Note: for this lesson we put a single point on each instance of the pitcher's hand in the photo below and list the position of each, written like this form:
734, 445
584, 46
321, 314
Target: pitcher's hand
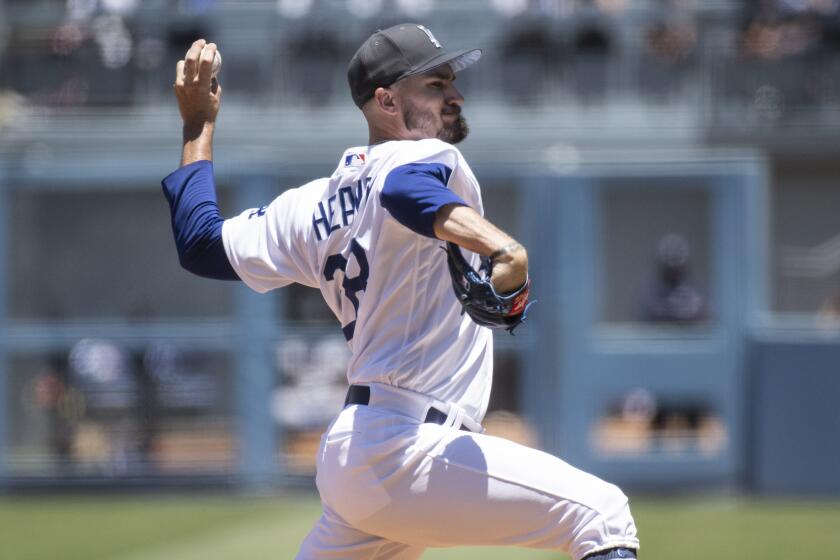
199, 93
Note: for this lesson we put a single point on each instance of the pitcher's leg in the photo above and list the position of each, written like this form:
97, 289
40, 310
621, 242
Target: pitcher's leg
481, 490
331, 539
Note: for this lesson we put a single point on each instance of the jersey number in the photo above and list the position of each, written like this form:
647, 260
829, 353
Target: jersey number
351, 286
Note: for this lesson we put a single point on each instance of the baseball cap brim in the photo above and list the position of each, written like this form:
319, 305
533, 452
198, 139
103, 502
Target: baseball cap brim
457, 60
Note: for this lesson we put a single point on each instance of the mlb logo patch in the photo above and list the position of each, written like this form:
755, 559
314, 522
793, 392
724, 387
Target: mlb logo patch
351, 159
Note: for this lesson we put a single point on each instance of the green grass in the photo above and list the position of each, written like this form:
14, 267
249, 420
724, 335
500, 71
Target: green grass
190, 528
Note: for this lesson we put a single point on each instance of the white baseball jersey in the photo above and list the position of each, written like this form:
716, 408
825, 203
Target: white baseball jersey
389, 286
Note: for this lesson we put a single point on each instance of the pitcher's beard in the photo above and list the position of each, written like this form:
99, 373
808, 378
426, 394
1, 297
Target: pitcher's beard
455, 132
451, 133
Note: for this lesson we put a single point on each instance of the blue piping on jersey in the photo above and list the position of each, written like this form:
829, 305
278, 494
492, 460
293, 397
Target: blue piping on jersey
197, 222
413, 193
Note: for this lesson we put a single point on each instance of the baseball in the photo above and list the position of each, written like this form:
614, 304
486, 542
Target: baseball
217, 65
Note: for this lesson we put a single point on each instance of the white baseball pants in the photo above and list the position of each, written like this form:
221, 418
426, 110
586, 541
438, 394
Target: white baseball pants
392, 486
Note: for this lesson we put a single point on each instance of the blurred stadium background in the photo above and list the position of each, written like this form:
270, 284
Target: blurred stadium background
672, 166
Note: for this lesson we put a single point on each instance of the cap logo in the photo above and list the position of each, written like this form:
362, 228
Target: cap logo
430, 36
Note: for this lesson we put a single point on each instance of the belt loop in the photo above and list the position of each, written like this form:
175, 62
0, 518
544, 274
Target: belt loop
455, 417
357, 394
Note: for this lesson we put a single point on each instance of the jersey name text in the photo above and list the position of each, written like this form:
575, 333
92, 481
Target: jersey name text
350, 198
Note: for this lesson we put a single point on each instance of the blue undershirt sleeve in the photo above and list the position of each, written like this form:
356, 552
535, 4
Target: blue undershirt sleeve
413, 193
197, 222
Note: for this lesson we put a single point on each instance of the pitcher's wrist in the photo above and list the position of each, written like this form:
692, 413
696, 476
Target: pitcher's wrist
197, 128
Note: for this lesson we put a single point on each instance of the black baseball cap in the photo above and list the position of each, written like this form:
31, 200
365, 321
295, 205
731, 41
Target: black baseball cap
399, 51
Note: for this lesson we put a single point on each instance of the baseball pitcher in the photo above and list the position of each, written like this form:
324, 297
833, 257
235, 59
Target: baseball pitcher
396, 241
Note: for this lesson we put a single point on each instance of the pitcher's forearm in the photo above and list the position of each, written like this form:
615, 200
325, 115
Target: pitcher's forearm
198, 143
468, 229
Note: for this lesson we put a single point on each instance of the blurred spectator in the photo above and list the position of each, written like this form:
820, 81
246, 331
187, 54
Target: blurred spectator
639, 406
146, 407
325, 65
592, 39
593, 47
672, 41
84, 60
532, 55
669, 53
780, 44
100, 370
773, 39
114, 41
672, 298
775, 29
54, 395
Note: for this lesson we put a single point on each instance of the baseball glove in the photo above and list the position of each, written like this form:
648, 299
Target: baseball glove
479, 299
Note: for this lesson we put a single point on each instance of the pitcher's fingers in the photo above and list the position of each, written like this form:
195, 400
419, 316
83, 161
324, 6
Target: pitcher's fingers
179, 73
191, 60
205, 65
